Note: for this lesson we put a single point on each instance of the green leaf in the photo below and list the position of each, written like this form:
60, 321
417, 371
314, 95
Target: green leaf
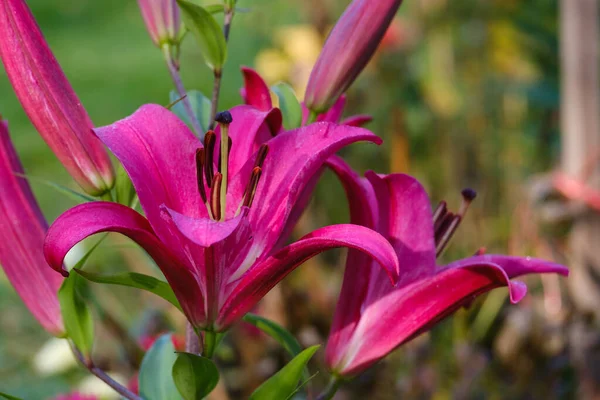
200, 106
194, 376
9, 397
76, 314
73, 194
207, 32
215, 8
284, 383
123, 187
304, 383
276, 331
135, 280
289, 105
155, 379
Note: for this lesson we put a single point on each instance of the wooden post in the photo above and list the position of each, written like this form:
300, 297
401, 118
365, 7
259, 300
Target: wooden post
580, 128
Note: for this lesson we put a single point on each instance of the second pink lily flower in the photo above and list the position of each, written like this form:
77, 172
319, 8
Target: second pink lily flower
221, 254
373, 317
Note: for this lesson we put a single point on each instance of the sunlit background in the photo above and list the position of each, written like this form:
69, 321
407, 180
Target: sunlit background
464, 93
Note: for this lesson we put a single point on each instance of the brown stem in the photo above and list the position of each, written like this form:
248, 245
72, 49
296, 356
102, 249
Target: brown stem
218, 72
103, 376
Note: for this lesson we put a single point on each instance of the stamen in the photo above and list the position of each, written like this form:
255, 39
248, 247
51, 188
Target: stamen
439, 214
450, 222
224, 118
215, 197
468, 196
250, 191
262, 155
210, 139
200, 173
447, 235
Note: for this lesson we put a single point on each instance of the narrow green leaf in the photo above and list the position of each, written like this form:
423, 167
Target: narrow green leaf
215, 8
123, 187
155, 379
200, 106
76, 314
289, 105
276, 331
135, 280
9, 397
87, 255
304, 383
75, 195
284, 383
207, 32
194, 376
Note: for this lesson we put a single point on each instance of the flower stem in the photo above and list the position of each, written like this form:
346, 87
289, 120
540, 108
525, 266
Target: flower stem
210, 341
193, 343
218, 72
103, 376
215, 97
331, 389
187, 105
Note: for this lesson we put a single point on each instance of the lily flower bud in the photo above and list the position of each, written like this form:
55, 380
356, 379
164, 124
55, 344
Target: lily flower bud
162, 21
22, 232
348, 49
49, 100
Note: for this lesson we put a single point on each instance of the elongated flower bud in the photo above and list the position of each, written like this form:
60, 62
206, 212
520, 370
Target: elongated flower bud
22, 232
349, 47
162, 20
49, 100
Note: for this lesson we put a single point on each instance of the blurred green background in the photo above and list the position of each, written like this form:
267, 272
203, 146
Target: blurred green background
465, 94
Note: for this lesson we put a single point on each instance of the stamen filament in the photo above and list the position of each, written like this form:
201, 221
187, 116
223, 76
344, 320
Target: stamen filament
447, 235
215, 197
439, 213
210, 140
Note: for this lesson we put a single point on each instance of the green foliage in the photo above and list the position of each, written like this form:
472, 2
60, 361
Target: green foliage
73, 194
77, 317
207, 32
194, 376
284, 383
135, 280
9, 397
289, 105
200, 106
155, 379
123, 187
276, 331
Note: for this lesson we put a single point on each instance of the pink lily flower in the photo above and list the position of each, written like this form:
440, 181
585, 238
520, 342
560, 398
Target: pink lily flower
49, 100
256, 93
348, 49
22, 232
373, 318
215, 215
162, 20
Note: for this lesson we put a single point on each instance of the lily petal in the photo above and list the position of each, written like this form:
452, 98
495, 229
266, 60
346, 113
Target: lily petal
158, 152
357, 120
90, 218
294, 158
406, 220
402, 314
513, 266
255, 91
265, 275
22, 231
204, 231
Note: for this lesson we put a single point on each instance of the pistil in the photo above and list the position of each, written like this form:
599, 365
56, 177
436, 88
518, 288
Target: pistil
224, 119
